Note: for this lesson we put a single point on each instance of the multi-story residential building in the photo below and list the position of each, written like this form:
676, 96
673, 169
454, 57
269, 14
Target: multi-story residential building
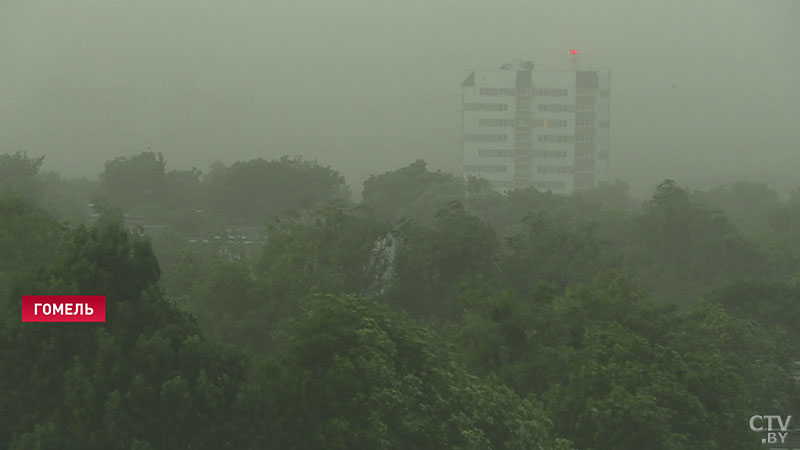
525, 126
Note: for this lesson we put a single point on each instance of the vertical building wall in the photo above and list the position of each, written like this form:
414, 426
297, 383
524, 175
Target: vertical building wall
553, 151
587, 88
603, 164
487, 126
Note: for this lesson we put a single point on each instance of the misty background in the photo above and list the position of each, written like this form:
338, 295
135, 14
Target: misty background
704, 93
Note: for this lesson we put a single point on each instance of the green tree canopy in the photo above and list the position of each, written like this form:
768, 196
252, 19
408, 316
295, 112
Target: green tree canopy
29, 237
770, 303
357, 376
553, 250
18, 174
143, 379
133, 182
747, 204
412, 192
616, 371
784, 224
679, 248
434, 264
255, 191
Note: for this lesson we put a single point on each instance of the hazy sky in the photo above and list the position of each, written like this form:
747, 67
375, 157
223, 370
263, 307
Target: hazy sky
371, 85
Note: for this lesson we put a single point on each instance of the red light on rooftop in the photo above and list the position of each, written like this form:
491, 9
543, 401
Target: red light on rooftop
573, 52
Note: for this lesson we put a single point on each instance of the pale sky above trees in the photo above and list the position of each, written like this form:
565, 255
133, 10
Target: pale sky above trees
702, 92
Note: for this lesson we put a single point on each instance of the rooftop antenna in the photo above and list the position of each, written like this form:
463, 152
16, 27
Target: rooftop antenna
576, 60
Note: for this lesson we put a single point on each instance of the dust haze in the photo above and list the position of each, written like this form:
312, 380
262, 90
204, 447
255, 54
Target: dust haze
702, 92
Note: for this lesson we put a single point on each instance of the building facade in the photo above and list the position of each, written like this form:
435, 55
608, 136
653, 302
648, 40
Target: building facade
524, 126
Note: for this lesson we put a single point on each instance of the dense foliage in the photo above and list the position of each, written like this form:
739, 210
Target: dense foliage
258, 307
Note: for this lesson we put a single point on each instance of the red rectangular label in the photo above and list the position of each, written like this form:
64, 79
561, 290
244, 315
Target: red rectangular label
63, 308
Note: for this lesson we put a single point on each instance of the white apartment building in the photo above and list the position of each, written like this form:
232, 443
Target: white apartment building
524, 126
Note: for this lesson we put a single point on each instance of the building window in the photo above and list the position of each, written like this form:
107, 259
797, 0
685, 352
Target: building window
522, 137
485, 107
495, 107
556, 139
496, 122
550, 92
485, 168
556, 108
555, 169
497, 91
493, 153
549, 184
549, 153
550, 123
485, 138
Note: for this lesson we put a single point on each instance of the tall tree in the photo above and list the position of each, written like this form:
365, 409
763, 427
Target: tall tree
412, 192
749, 205
553, 250
18, 174
143, 379
333, 249
681, 248
435, 264
784, 224
357, 376
617, 371
29, 237
255, 191
771, 303
133, 182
